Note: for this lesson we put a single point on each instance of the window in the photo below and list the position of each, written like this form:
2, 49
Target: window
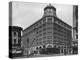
40, 34
44, 29
14, 41
44, 25
76, 36
50, 10
40, 22
54, 37
40, 43
49, 41
49, 33
61, 50
49, 37
39, 39
44, 38
44, 20
44, 33
55, 46
15, 34
40, 31
39, 27
55, 28
49, 19
44, 42
59, 22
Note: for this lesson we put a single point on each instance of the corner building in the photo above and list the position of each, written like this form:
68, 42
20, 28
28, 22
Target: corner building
48, 32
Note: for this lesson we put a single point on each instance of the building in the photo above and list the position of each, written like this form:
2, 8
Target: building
14, 41
75, 22
49, 33
75, 29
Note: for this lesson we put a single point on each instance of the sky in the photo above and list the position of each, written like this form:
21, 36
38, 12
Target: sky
25, 14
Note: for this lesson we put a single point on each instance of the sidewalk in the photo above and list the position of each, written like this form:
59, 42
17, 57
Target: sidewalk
42, 55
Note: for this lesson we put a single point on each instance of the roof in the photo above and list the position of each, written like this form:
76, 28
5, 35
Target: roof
15, 28
50, 7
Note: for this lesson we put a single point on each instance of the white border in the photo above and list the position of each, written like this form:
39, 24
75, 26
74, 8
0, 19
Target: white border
4, 29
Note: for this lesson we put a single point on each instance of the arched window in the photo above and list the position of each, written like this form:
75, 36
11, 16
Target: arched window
55, 46
44, 46
36, 48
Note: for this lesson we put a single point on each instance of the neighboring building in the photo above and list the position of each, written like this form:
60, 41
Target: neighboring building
48, 32
14, 41
75, 29
75, 22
